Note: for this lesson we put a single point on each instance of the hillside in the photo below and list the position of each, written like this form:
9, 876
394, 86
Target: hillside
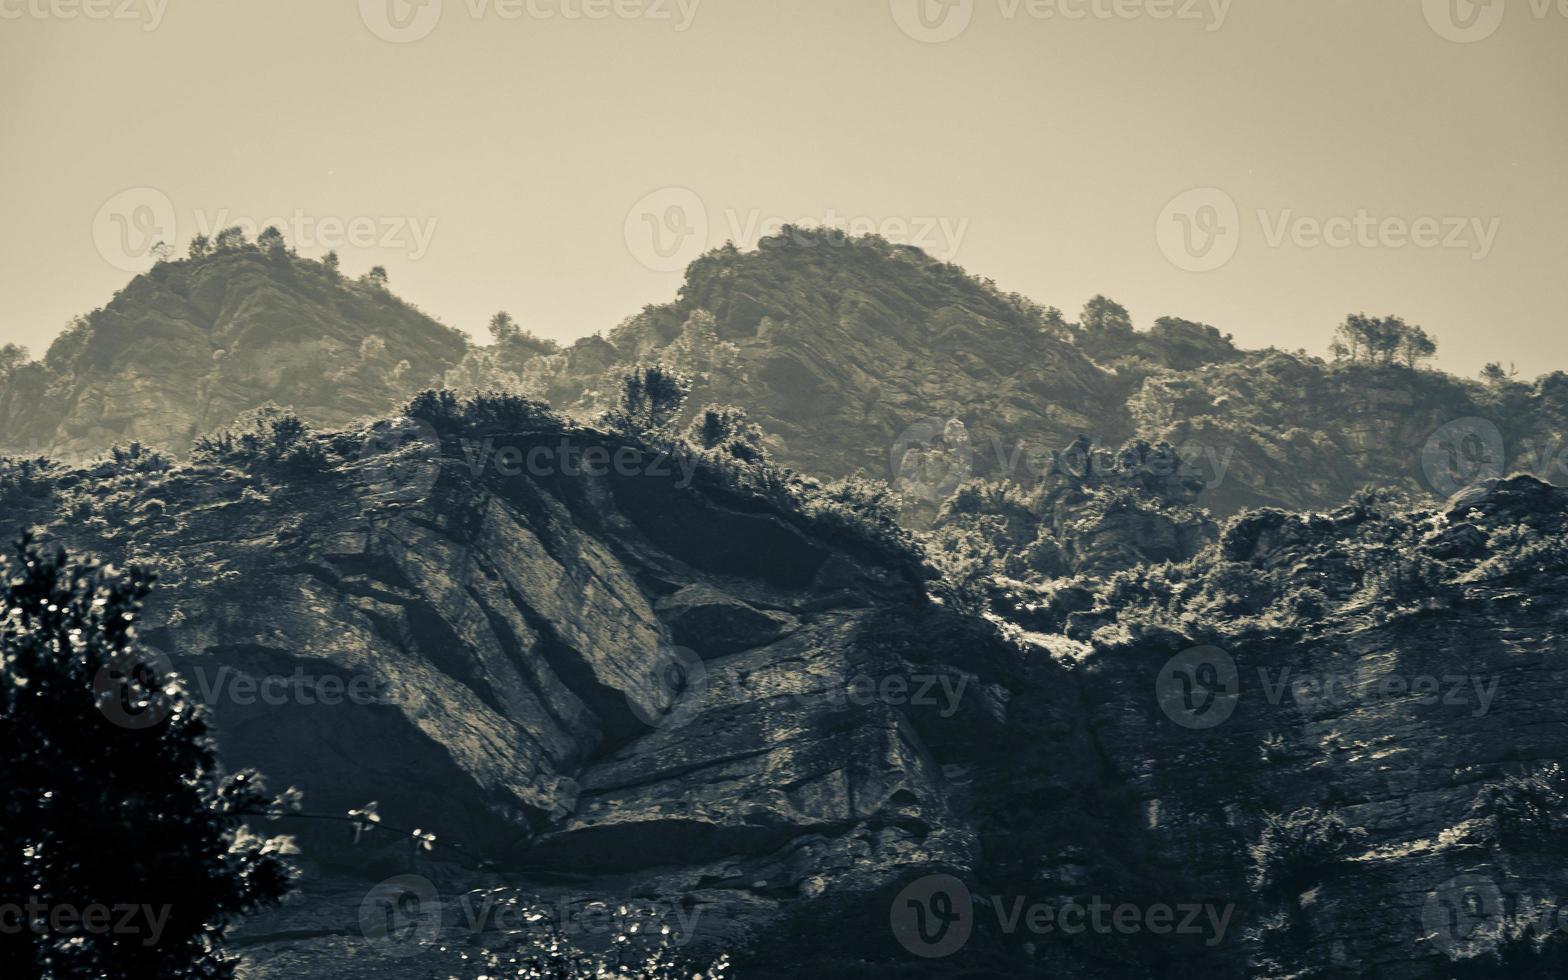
852, 352
194, 344
685, 680
855, 356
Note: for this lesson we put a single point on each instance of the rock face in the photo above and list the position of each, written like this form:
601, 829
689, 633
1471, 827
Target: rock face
614, 678
630, 684
195, 344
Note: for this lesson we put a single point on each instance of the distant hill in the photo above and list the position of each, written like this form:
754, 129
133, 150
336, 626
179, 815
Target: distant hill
857, 356
193, 344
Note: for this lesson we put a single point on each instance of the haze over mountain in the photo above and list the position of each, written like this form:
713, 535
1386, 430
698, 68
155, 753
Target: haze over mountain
850, 353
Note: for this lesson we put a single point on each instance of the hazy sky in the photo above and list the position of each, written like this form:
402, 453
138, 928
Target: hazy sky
1407, 156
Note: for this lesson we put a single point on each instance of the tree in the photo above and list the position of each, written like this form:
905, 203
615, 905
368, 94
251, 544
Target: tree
200, 247
161, 251
1102, 315
12, 356
230, 239
270, 238
1416, 346
330, 260
649, 399
1381, 340
110, 793
377, 277
1494, 375
505, 329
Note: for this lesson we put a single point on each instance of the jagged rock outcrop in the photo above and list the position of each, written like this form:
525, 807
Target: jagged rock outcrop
629, 681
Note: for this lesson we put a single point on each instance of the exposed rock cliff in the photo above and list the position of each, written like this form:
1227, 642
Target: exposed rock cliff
602, 676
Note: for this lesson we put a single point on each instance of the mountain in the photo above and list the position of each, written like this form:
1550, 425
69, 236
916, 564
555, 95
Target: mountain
856, 356
853, 352
194, 344
605, 670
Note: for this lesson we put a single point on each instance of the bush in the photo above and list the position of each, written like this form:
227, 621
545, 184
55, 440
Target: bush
1527, 813
274, 435
110, 793
649, 399
1296, 852
23, 478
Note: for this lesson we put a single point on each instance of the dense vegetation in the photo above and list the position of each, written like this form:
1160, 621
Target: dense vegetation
126, 852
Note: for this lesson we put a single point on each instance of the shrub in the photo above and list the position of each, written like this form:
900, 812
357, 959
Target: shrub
1293, 853
1527, 812
725, 428
110, 793
650, 397
275, 435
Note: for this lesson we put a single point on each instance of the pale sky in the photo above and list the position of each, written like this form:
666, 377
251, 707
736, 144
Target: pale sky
502, 154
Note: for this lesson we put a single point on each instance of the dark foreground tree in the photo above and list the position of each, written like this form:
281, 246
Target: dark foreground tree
123, 852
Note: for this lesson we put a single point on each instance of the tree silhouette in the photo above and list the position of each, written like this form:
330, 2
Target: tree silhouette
124, 852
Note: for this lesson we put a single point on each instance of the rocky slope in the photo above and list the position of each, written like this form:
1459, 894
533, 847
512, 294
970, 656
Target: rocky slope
857, 356
600, 677
194, 344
